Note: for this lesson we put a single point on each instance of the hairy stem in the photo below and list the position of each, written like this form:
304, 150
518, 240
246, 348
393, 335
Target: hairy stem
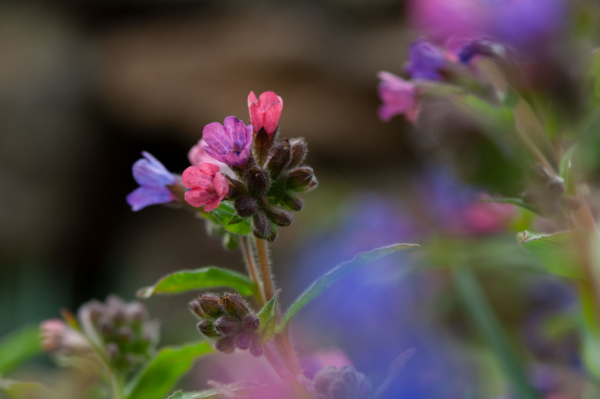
252, 270
282, 340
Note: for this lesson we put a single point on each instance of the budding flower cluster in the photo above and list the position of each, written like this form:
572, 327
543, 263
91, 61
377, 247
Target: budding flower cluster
344, 383
230, 321
129, 337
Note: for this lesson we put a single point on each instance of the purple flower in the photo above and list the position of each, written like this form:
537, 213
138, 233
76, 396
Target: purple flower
425, 60
153, 178
229, 143
398, 96
478, 47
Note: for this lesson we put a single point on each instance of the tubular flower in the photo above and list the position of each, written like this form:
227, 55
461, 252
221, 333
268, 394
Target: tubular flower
153, 178
425, 60
207, 186
229, 143
265, 111
398, 96
56, 335
198, 154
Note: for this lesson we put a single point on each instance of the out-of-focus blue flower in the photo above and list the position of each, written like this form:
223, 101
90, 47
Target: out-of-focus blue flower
153, 178
425, 60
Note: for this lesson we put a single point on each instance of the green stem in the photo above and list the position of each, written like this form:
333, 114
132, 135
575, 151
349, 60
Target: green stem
252, 270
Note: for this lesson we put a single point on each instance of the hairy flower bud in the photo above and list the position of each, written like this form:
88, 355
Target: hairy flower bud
299, 150
279, 157
262, 144
236, 188
273, 236
251, 323
234, 305
556, 185
226, 325
292, 202
206, 328
246, 206
260, 225
279, 216
255, 346
242, 341
299, 178
196, 308
258, 181
314, 183
210, 305
225, 345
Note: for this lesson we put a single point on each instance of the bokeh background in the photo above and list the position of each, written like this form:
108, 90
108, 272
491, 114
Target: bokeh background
85, 86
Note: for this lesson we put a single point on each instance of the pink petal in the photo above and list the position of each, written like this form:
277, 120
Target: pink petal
199, 197
210, 206
221, 185
209, 168
194, 177
256, 116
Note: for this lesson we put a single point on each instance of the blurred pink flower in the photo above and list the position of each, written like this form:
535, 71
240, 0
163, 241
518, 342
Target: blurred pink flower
441, 19
265, 111
321, 359
207, 186
198, 154
399, 97
56, 335
487, 217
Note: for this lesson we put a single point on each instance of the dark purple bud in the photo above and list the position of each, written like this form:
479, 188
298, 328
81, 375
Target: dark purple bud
105, 326
242, 341
96, 310
258, 182
234, 305
273, 236
236, 188
206, 328
279, 216
292, 202
227, 325
260, 225
299, 150
196, 309
136, 313
556, 185
255, 346
279, 157
314, 183
112, 351
251, 323
124, 334
246, 206
299, 178
262, 144
210, 305
225, 345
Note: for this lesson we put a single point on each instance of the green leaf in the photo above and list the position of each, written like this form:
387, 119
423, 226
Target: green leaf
225, 214
489, 326
25, 390
206, 277
268, 320
514, 201
500, 117
18, 347
159, 376
326, 281
566, 171
208, 394
555, 251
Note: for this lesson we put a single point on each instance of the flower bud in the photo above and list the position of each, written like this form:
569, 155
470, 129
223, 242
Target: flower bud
206, 328
236, 188
299, 178
292, 202
242, 341
280, 156
226, 325
136, 313
255, 346
251, 323
279, 216
260, 225
273, 236
262, 144
299, 150
234, 305
556, 185
225, 345
105, 326
210, 305
196, 309
246, 206
124, 334
314, 183
258, 182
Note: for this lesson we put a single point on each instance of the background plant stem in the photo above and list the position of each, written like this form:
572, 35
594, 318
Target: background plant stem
252, 270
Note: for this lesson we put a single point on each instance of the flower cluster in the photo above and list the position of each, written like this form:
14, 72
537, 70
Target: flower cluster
230, 321
124, 329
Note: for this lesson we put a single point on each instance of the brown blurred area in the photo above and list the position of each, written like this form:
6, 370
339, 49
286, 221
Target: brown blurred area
85, 86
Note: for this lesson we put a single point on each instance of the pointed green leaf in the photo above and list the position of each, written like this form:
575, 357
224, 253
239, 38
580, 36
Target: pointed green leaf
25, 390
157, 379
237, 219
268, 320
327, 280
18, 347
555, 251
206, 277
514, 201
225, 214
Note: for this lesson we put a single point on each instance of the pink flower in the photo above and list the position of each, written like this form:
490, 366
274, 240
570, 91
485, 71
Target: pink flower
265, 111
57, 335
230, 142
399, 97
487, 217
207, 186
198, 154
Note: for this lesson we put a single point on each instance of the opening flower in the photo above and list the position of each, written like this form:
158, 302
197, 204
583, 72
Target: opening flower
153, 178
230, 142
198, 154
265, 111
425, 60
398, 96
56, 335
207, 186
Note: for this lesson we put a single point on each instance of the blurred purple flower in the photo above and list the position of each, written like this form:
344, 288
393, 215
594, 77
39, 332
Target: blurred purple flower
153, 178
399, 97
229, 143
425, 60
